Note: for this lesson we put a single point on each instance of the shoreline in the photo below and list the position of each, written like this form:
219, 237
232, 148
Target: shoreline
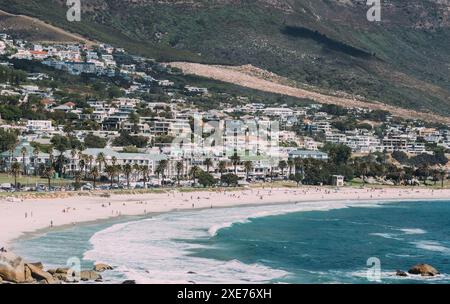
32, 217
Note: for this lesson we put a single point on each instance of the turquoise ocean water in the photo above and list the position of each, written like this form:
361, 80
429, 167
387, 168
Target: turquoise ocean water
303, 243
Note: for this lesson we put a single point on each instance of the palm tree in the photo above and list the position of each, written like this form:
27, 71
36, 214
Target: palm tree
119, 170
73, 154
48, 173
24, 151
145, 172
78, 175
111, 171
222, 167
36, 152
91, 160
162, 166
113, 160
290, 164
15, 170
298, 164
366, 171
95, 173
137, 170
127, 170
86, 161
50, 155
195, 170
208, 163
282, 165
235, 159
12, 148
179, 167
248, 165
61, 149
442, 175
100, 160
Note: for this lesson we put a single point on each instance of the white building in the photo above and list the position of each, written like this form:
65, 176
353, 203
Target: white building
40, 125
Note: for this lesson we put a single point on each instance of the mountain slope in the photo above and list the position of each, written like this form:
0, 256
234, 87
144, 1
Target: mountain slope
254, 78
329, 44
34, 29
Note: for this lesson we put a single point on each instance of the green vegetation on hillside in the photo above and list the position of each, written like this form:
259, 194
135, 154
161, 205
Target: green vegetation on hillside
394, 62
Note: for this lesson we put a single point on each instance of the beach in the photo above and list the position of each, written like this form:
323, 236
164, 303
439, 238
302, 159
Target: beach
21, 216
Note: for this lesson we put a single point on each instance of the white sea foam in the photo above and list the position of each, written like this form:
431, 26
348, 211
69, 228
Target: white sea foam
158, 250
392, 275
387, 236
413, 231
432, 246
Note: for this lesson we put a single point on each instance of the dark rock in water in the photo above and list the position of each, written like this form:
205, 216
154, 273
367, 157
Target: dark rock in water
61, 270
60, 277
401, 273
424, 270
102, 267
191, 272
89, 275
129, 282
99, 280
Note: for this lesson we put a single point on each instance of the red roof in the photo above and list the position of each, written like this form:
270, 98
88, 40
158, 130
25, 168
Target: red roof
70, 104
47, 101
39, 52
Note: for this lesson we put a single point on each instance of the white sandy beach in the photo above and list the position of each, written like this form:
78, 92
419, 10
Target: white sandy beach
18, 217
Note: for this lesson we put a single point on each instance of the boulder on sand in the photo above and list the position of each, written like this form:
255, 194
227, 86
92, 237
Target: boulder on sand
102, 267
424, 270
40, 275
12, 268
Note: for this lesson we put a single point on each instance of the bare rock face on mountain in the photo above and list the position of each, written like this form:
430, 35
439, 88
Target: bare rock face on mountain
12, 268
424, 270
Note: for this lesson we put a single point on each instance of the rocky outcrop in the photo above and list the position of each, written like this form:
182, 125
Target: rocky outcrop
102, 267
401, 273
129, 282
12, 268
40, 275
89, 275
424, 270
